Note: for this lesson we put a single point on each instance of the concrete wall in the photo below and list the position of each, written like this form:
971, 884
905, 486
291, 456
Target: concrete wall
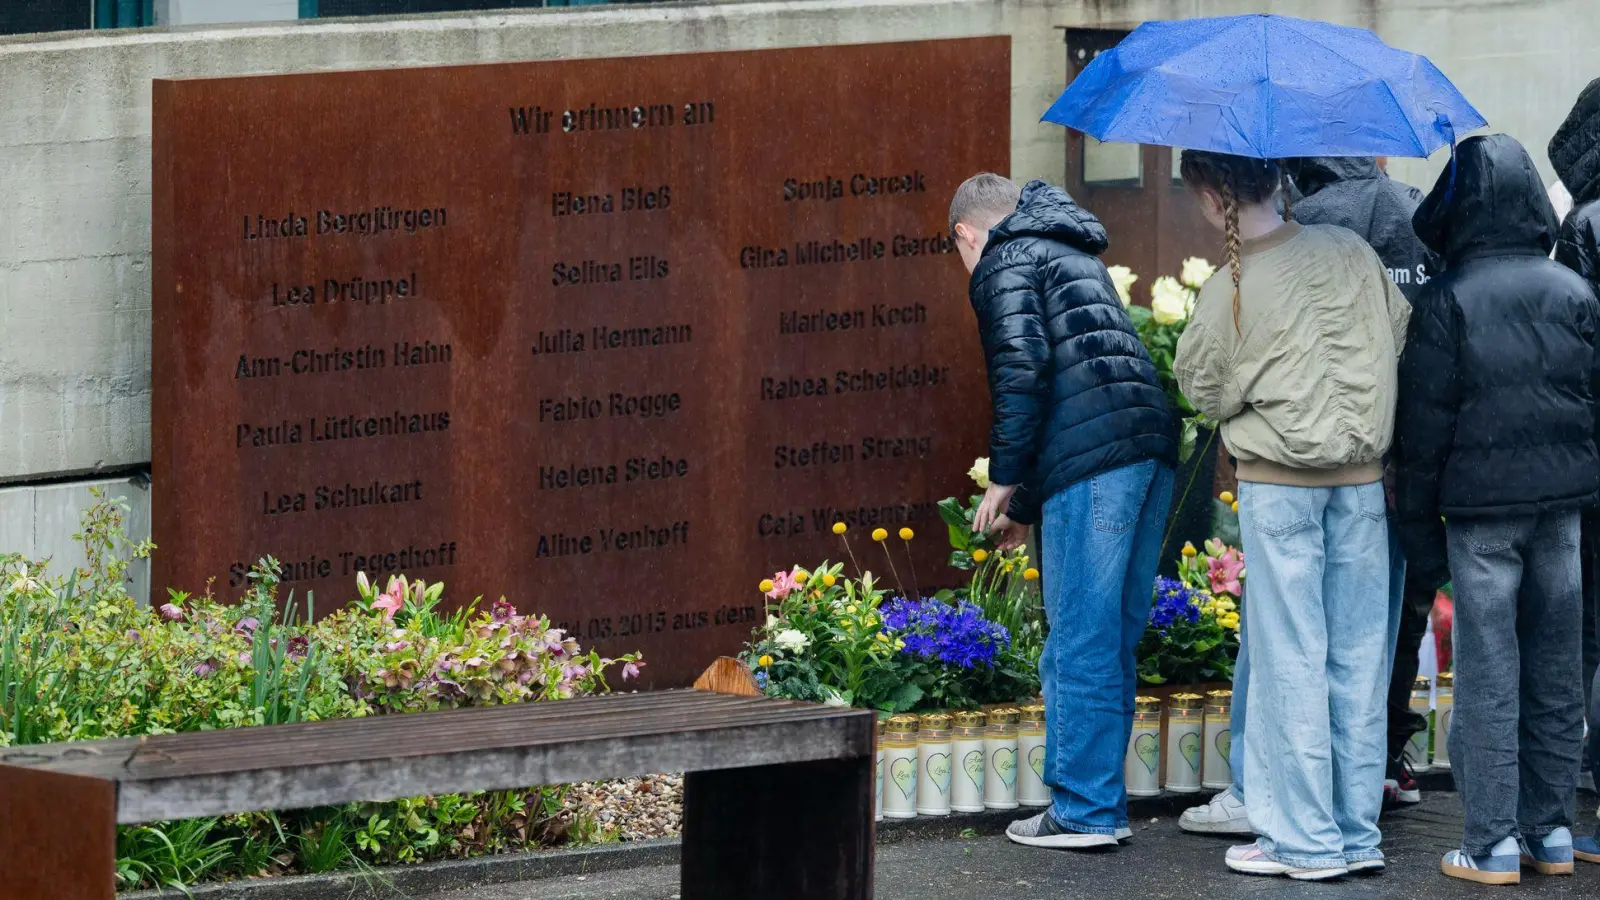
38, 521
75, 142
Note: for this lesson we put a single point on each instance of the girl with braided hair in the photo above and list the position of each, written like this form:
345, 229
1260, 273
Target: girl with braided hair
1292, 350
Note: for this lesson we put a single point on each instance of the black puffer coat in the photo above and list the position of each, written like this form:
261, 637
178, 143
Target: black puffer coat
1352, 192
1575, 153
1075, 393
1495, 416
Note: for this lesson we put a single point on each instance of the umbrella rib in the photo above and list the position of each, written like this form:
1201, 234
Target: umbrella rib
1266, 68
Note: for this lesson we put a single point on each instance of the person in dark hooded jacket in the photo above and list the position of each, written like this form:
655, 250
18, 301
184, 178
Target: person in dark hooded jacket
1496, 435
1085, 443
1355, 193
1575, 154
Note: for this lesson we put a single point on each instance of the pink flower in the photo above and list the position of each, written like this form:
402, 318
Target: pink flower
172, 612
503, 610
783, 584
389, 603
631, 670
1226, 571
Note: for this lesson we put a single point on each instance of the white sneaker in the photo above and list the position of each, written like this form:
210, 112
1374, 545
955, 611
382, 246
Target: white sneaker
1249, 859
1223, 815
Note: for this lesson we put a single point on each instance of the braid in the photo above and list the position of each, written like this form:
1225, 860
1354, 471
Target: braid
1285, 185
1230, 232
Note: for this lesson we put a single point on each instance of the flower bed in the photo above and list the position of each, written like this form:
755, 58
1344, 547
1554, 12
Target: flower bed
80, 660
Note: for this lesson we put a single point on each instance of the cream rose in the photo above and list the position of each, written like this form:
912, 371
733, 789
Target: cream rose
979, 473
1195, 272
1123, 278
1169, 302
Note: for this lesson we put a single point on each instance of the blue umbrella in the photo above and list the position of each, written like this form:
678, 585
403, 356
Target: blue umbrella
1271, 87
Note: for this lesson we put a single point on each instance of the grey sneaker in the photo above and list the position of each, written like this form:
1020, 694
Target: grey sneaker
1043, 831
1223, 815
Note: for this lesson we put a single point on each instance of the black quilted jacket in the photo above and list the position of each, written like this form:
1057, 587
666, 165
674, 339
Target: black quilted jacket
1495, 415
1075, 394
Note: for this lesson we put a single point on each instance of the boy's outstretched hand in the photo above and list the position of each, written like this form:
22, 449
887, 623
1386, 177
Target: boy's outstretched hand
996, 501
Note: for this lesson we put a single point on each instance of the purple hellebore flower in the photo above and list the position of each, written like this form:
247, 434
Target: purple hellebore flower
631, 670
298, 647
172, 612
205, 668
247, 626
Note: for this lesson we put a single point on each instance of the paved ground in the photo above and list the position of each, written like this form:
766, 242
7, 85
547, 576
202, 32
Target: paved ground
1160, 863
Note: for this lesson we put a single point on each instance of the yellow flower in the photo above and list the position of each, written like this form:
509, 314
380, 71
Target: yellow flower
829, 581
1226, 605
1226, 497
764, 661
852, 609
765, 586
979, 555
1230, 621
907, 534
1030, 575
1236, 506
800, 577
883, 637
878, 534
839, 528
1189, 550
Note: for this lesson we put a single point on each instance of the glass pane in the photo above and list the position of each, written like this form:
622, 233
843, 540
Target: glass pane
1111, 165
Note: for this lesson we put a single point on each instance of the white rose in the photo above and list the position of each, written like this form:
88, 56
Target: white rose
1195, 272
1123, 278
979, 472
791, 640
1169, 302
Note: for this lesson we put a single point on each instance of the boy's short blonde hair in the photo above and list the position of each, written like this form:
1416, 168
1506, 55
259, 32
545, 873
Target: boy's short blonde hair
982, 197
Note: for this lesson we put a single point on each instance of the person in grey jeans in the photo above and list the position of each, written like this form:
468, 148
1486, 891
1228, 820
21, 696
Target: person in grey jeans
1496, 434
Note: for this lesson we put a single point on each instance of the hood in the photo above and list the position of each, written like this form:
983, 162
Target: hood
1313, 173
1498, 204
1047, 211
1575, 149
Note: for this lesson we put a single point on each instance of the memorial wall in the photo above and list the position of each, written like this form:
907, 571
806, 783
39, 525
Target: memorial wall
612, 338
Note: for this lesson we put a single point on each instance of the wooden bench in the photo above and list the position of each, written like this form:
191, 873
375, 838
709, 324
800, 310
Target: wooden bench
777, 795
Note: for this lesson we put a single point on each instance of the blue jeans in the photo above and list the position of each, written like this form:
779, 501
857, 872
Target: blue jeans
1101, 543
1518, 725
1319, 643
1239, 714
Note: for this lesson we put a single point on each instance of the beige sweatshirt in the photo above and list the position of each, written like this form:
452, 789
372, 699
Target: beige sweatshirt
1305, 390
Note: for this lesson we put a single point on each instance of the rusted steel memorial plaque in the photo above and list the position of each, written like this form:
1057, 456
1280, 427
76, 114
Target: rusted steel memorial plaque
612, 338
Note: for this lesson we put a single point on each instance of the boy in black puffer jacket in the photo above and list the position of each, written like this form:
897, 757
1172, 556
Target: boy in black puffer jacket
1496, 434
1084, 443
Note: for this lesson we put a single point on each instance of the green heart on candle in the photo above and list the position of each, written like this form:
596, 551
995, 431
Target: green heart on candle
1148, 750
1225, 743
1189, 749
939, 771
1005, 765
903, 772
972, 764
1036, 761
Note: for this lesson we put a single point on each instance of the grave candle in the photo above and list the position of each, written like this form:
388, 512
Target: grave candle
1445, 707
969, 762
900, 768
1185, 734
1000, 745
1031, 789
1416, 751
1217, 773
933, 765
1142, 764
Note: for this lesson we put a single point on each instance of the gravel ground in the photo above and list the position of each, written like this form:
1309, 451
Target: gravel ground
638, 809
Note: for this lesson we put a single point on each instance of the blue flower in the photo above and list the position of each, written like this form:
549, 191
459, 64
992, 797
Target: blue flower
761, 680
1173, 601
954, 635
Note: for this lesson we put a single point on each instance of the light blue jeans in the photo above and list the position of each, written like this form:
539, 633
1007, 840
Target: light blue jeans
1238, 714
1318, 623
1101, 543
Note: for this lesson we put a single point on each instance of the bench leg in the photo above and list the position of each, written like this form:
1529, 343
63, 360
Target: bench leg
58, 836
801, 831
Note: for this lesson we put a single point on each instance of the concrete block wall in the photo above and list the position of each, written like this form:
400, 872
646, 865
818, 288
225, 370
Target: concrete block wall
38, 521
75, 145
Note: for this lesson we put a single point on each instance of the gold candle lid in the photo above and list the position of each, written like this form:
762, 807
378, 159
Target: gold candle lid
1032, 713
1147, 704
1220, 697
903, 723
935, 722
1421, 684
1006, 716
969, 719
1447, 679
1187, 701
